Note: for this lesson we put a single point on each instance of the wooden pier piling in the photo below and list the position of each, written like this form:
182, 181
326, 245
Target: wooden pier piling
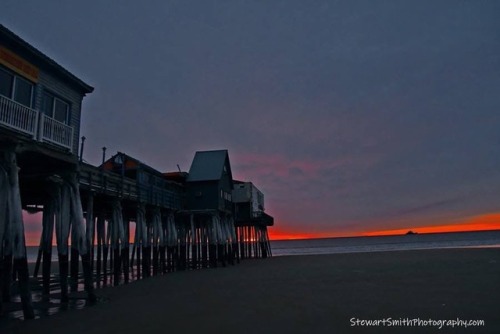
100, 246
12, 239
157, 238
48, 216
125, 250
117, 239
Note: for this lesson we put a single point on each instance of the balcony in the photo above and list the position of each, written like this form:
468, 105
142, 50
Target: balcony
55, 132
15, 116
263, 218
245, 217
36, 125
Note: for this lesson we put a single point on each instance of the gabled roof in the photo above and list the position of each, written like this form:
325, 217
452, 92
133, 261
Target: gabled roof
209, 166
130, 163
9, 36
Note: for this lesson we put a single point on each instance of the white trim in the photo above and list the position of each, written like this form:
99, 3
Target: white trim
15, 77
17, 116
54, 98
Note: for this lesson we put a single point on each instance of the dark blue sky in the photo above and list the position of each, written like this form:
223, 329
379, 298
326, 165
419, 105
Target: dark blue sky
351, 116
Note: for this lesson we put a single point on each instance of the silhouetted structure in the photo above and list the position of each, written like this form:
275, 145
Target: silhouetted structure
210, 209
251, 221
181, 219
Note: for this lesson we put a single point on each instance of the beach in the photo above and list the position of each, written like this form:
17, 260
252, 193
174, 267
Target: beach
333, 293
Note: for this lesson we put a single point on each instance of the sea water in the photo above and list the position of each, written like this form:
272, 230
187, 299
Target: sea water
365, 244
386, 243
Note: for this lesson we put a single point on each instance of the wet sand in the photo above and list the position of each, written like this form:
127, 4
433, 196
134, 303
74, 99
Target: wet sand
297, 294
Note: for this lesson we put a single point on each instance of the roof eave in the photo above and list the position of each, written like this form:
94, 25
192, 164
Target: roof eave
84, 87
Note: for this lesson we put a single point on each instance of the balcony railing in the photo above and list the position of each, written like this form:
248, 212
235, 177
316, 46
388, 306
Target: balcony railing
56, 132
16, 116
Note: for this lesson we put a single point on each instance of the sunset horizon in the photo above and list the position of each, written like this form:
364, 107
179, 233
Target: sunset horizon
484, 222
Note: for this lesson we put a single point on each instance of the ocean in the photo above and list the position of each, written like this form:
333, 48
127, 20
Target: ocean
385, 243
366, 244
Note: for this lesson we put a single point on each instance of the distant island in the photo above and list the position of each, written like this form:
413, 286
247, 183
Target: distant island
410, 232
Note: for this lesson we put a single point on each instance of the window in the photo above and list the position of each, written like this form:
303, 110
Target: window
55, 108
22, 92
16, 88
6, 80
225, 195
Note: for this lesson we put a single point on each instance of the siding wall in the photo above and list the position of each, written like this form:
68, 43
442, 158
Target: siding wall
58, 88
209, 198
53, 83
226, 184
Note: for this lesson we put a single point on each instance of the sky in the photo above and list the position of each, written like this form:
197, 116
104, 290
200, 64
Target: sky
353, 117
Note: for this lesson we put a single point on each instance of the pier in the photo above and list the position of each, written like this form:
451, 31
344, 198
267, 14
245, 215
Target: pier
119, 217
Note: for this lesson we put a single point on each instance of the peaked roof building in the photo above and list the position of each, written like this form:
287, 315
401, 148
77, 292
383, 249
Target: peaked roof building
210, 182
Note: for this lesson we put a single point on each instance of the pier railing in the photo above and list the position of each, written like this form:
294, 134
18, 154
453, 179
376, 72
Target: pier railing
112, 184
95, 179
17, 116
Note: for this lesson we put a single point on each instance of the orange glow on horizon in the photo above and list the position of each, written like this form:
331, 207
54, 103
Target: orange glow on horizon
483, 222
279, 234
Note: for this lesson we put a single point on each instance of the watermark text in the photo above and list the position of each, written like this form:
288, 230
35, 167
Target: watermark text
416, 322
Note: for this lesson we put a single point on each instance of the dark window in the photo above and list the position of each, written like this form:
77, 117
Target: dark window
22, 92
48, 104
6, 80
55, 108
16, 88
61, 111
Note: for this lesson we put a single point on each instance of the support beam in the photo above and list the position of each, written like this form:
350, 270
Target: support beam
62, 233
90, 227
117, 239
172, 242
49, 210
12, 237
125, 250
156, 227
79, 235
100, 244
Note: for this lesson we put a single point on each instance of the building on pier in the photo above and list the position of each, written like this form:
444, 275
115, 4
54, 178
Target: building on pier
152, 186
250, 220
249, 204
209, 208
40, 113
40, 101
210, 182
